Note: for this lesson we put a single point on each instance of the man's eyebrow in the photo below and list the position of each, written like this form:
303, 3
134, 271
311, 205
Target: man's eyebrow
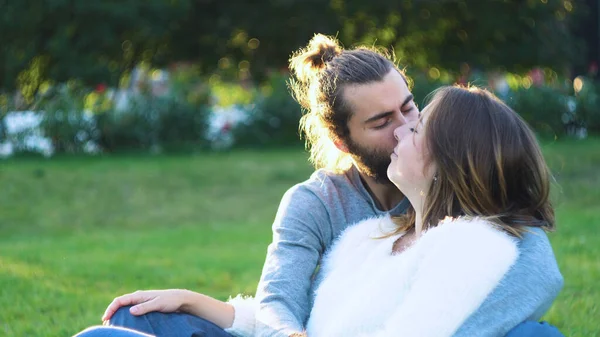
408, 99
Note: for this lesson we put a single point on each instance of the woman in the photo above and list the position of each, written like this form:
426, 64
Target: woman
473, 193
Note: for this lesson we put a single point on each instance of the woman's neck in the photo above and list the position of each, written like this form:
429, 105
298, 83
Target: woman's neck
418, 222
417, 203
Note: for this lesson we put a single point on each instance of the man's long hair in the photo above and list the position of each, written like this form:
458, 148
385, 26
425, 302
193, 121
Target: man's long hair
322, 70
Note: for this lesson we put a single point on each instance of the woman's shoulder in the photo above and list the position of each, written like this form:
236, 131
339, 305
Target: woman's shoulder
464, 224
468, 232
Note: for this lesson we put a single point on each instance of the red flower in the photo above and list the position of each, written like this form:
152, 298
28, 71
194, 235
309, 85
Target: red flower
593, 68
100, 88
226, 127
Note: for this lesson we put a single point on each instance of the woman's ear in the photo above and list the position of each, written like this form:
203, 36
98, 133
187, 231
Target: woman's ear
431, 171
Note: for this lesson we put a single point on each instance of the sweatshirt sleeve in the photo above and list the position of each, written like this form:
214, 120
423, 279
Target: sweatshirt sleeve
533, 282
291, 261
244, 320
460, 263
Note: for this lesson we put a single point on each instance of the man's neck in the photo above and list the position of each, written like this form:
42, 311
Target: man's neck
386, 196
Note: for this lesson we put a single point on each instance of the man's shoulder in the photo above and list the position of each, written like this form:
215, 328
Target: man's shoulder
316, 190
324, 181
324, 194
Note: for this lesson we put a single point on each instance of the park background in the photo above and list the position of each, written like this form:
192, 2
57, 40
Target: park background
146, 144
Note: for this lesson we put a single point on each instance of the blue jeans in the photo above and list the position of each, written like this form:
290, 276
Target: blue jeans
110, 331
534, 329
185, 325
155, 324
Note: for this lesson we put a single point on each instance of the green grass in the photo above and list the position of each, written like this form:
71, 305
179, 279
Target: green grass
76, 232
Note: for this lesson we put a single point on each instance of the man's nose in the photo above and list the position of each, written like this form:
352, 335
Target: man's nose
402, 119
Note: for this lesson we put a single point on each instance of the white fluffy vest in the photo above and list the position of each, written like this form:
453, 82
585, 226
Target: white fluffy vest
428, 290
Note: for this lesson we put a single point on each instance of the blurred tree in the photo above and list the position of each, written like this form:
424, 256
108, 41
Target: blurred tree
587, 27
93, 41
97, 41
513, 34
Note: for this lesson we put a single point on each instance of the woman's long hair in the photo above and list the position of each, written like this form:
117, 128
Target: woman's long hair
489, 164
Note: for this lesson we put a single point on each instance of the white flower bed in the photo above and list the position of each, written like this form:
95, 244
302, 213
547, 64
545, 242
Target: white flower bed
221, 122
23, 133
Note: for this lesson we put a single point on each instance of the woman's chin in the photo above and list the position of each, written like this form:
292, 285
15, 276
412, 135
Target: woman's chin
399, 181
393, 178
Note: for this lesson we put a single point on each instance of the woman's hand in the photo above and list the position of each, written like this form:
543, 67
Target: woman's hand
143, 302
173, 300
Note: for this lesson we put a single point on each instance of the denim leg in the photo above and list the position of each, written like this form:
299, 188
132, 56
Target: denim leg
167, 325
534, 329
110, 331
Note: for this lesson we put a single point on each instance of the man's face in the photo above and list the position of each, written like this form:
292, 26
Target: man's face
377, 110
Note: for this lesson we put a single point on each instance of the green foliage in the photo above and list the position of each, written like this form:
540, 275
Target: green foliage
66, 122
154, 123
274, 119
588, 105
422, 86
546, 109
186, 83
88, 40
228, 94
6, 105
97, 42
79, 120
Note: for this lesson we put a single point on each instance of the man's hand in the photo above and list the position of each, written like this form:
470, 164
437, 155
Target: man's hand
147, 301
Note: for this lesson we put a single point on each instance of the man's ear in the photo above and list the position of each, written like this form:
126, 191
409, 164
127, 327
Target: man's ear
341, 145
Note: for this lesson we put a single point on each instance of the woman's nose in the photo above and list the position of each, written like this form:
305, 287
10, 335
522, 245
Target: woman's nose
397, 133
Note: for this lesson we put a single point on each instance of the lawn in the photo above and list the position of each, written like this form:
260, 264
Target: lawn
76, 232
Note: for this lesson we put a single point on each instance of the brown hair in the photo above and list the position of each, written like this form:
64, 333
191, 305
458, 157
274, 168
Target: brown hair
489, 164
322, 70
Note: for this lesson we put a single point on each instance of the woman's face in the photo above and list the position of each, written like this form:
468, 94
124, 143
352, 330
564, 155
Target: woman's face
410, 169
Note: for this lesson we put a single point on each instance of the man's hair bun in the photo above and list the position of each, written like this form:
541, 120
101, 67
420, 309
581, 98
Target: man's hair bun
308, 62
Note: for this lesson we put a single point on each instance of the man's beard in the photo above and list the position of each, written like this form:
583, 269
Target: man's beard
372, 162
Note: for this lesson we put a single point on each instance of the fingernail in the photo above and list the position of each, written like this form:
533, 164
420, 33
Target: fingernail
134, 310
